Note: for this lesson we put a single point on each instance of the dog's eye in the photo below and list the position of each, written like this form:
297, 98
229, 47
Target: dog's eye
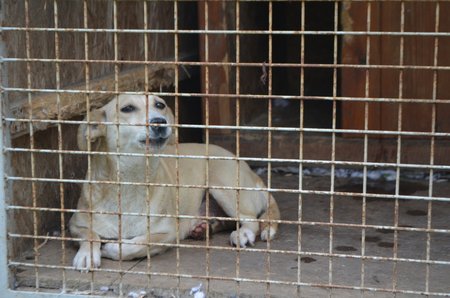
159, 105
128, 109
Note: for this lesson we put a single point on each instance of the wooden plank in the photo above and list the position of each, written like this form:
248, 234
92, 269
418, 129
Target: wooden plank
217, 79
414, 151
44, 106
418, 50
354, 51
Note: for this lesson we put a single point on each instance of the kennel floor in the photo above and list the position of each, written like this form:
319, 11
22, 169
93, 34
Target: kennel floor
229, 273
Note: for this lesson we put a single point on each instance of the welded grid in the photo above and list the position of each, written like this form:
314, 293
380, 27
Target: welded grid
237, 128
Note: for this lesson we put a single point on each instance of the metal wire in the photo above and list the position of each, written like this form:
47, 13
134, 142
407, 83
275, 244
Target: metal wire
21, 121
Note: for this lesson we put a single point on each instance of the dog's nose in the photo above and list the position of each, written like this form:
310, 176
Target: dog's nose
158, 129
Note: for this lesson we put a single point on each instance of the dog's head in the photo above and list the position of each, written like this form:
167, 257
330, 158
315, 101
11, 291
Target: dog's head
143, 121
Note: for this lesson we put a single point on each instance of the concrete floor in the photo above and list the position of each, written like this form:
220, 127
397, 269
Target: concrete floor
315, 268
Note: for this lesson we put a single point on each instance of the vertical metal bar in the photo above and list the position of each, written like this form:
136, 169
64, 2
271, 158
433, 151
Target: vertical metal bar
147, 151
31, 139
366, 144
432, 146
238, 117
333, 146
206, 103
300, 153
4, 271
399, 147
118, 179
88, 137
60, 147
177, 170
269, 136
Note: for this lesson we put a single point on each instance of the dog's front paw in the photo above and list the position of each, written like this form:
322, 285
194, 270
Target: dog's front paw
84, 260
111, 251
245, 236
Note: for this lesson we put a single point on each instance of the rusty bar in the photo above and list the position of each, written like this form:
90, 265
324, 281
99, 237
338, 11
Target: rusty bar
399, 147
147, 151
247, 127
247, 32
228, 63
247, 96
118, 179
306, 161
366, 142
238, 143
300, 154
269, 133
32, 146
432, 147
333, 147
60, 146
177, 120
274, 190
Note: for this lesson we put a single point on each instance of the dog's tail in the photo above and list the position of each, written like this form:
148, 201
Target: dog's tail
269, 226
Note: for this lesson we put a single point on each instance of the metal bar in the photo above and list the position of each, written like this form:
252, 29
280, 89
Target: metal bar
269, 133
230, 32
60, 146
281, 190
307, 223
287, 283
432, 148
177, 166
300, 154
183, 62
246, 96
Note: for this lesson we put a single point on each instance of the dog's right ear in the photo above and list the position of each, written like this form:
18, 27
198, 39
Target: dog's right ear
91, 132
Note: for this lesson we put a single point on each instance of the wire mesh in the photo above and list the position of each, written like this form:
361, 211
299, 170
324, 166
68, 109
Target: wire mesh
341, 107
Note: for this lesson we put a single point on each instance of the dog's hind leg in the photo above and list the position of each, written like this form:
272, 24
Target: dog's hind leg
199, 229
247, 214
268, 228
137, 247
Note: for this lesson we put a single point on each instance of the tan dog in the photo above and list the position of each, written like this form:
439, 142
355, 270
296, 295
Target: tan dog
104, 203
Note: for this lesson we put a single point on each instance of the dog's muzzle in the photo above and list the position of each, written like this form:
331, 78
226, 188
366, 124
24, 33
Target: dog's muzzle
158, 134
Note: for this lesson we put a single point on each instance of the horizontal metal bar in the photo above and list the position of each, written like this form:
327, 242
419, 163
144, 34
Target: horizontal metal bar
247, 159
234, 96
239, 279
203, 217
247, 249
228, 32
232, 64
246, 127
271, 190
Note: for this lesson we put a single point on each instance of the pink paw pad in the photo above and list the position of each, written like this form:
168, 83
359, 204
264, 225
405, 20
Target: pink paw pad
199, 231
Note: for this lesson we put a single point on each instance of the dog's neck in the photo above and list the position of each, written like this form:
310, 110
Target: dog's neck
108, 166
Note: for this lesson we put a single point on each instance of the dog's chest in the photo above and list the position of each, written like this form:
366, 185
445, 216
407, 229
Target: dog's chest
132, 205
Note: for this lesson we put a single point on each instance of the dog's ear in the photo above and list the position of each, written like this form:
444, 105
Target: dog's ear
92, 132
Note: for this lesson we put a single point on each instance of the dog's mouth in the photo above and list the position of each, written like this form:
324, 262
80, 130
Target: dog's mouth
157, 142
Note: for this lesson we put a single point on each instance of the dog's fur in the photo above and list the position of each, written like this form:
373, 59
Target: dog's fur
101, 205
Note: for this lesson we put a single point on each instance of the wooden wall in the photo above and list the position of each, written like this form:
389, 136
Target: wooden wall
385, 50
42, 75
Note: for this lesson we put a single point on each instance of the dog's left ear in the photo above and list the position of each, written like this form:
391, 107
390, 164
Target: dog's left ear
92, 132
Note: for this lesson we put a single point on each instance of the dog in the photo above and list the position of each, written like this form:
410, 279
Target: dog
139, 184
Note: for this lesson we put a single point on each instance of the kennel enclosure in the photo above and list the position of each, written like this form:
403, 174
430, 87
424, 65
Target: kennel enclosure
341, 106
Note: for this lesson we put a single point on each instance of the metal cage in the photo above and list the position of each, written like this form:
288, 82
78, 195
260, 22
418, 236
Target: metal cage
341, 107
